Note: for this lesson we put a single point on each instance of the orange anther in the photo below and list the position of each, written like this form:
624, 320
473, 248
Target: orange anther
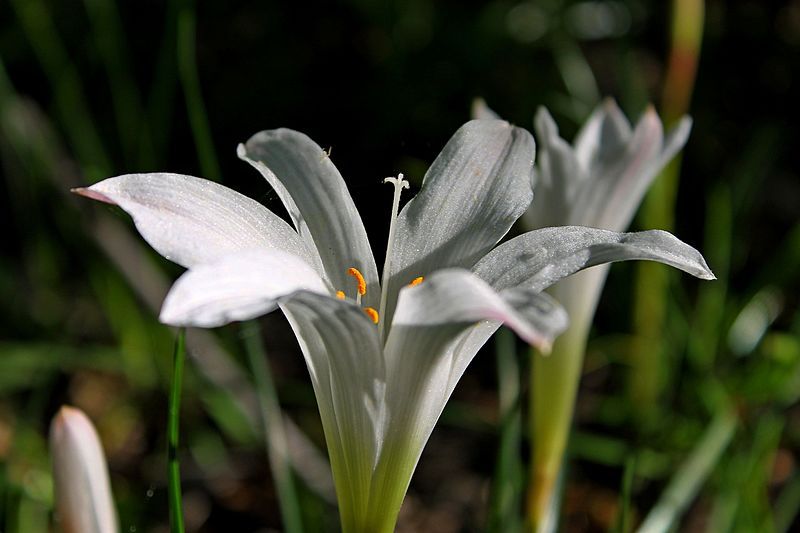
362, 285
416, 281
340, 295
372, 313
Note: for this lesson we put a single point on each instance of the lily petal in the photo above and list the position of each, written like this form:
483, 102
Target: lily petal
239, 286
605, 133
344, 357
429, 346
675, 140
620, 176
601, 181
317, 199
539, 258
456, 297
191, 221
475, 190
558, 176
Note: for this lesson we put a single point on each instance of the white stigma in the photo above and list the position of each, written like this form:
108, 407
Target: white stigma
399, 183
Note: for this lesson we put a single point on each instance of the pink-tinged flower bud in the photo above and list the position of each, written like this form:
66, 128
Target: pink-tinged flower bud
82, 488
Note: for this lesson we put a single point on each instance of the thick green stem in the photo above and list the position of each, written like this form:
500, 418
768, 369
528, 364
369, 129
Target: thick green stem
554, 385
173, 427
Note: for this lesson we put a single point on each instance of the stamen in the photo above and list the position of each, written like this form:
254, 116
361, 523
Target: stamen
372, 313
416, 281
362, 285
399, 183
340, 295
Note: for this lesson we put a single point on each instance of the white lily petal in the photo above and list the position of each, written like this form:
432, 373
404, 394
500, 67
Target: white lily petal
606, 131
538, 308
191, 221
674, 141
559, 175
438, 327
476, 189
344, 357
238, 286
458, 297
317, 199
82, 488
539, 258
620, 177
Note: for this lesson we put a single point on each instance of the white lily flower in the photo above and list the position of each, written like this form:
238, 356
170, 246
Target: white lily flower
599, 181
383, 357
82, 489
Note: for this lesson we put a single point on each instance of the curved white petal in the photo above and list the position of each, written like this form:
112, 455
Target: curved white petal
538, 308
539, 258
82, 488
606, 131
619, 176
675, 140
458, 298
191, 221
239, 286
559, 175
602, 180
438, 327
344, 357
317, 199
475, 190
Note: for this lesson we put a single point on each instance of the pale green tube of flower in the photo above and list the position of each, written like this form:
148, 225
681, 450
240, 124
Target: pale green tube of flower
83, 498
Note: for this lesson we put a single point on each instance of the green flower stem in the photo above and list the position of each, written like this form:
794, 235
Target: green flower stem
173, 426
274, 435
554, 384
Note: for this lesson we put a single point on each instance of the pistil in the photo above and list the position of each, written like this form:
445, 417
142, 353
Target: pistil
399, 183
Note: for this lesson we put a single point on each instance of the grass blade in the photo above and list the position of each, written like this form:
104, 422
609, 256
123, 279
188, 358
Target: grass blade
173, 427
190, 80
686, 482
274, 433
504, 502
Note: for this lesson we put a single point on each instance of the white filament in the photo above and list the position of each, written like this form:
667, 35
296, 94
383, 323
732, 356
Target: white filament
399, 183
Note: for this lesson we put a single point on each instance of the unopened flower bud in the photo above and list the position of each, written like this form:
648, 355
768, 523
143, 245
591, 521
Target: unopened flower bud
82, 488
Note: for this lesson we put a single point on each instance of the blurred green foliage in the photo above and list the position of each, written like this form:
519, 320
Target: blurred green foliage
97, 88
